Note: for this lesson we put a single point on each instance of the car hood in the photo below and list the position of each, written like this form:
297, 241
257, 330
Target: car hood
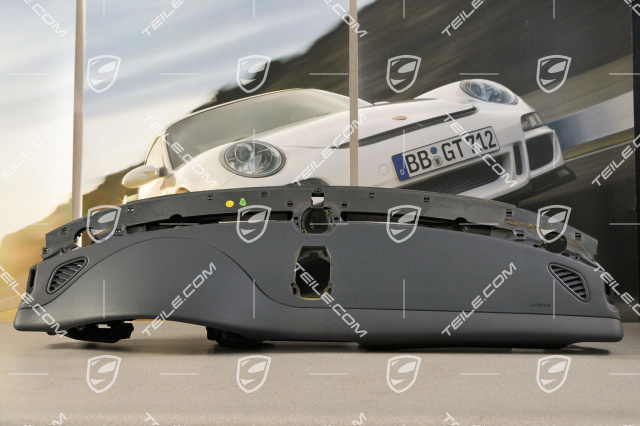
373, 120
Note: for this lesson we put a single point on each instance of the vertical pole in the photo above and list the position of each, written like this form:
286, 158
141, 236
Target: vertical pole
78, 87
635, 23
353, 95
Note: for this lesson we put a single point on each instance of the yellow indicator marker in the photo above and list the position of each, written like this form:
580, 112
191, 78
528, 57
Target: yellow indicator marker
229, 203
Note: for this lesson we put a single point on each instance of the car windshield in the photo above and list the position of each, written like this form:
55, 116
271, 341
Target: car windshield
239, 120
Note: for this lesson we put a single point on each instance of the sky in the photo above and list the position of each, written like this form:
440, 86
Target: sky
164, 72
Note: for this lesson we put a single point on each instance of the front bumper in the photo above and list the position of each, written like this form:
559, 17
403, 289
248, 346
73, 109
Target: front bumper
539, 184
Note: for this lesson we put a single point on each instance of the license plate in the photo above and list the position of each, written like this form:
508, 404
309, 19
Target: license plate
441, 154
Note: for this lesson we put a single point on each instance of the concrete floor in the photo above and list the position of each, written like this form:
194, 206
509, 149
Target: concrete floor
177, 377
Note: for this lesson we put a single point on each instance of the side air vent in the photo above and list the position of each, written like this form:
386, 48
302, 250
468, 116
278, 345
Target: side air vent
572, 280
65, 273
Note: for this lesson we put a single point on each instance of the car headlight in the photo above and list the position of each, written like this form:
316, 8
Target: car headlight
253, 159
531, 121
489, 91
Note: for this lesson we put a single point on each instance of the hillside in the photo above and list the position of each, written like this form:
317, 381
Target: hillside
21, 249
499, 37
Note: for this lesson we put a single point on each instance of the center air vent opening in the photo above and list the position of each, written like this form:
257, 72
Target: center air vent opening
312, 273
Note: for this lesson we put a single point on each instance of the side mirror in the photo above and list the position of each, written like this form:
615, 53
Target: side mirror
142, 175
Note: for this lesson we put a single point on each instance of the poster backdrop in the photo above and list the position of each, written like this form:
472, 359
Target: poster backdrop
191, 87
569, 61
153, 64
36, 118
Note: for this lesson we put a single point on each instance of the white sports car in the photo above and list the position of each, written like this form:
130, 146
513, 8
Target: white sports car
474, 137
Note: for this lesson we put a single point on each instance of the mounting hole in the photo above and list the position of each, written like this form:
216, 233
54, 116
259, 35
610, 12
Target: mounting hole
82, 238
556, 246
312, 273
316, 221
